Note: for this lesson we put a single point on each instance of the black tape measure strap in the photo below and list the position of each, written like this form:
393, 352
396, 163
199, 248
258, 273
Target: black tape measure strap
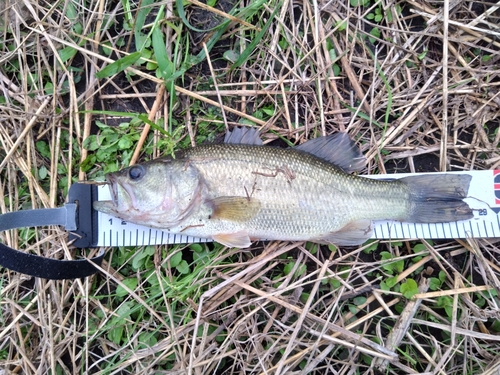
38, 266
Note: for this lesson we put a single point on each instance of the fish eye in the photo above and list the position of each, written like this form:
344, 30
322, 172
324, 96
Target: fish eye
136, 172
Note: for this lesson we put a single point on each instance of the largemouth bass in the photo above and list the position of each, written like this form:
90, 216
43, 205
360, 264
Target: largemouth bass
236, 193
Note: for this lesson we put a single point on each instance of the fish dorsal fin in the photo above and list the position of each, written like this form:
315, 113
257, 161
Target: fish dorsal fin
338, 149
245, 136
237, 239
239, 209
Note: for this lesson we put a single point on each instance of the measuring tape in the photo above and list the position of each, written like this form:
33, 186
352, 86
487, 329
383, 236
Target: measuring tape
483, 198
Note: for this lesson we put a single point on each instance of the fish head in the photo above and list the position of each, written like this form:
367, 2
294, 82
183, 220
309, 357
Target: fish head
159, 194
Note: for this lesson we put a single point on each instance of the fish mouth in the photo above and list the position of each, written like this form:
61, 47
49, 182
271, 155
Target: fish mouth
113, 188
121, 193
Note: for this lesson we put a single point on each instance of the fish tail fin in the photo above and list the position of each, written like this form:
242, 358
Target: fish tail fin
438, 198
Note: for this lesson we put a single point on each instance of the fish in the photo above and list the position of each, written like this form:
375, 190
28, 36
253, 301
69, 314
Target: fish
242, 191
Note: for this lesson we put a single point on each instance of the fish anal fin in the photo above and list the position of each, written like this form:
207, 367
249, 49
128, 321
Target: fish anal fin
353, 234
243, 136
238, 239
338, 149
238, 209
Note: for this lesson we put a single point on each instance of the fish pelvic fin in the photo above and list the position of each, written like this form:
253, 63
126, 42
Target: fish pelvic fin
238, 209
353, 234
438, 198
238, 239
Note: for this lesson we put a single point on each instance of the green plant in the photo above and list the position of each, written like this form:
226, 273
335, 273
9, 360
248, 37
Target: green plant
446, 303
409, 288
437, 282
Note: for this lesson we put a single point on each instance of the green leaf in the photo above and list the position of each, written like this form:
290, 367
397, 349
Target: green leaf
90, 143
48, 88
486, 58
283, 43
409, 288
106, 48
182, 15
288, 268
183, 267
42, 172
88, 163
151, 65
419, 248
67, 53
388, 15
165, 66
442, 276
119, 65
43, 148
342, 25
231, 55
376, 33
299, 271
446, 303
480, 302
391, 267
495, 325
138, 117
422, 55
129, 283
124, 143
391, 281
371, 246
176, 259
140, 258
357, 3
268, 111
353, 309
335, 283
251, 47
115, 334
196, 247
359, 300
73, 14
434, 283
147, 340
384, 286
141, 40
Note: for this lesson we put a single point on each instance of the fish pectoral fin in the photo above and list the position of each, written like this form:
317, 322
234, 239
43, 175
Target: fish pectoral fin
353, 234
236, 239
238, 209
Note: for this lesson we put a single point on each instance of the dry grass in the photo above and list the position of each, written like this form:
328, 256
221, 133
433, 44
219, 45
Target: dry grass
423, 96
